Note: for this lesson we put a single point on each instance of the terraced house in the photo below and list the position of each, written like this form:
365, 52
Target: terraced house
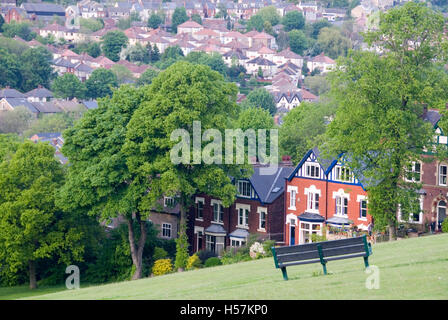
258, 209
322, 192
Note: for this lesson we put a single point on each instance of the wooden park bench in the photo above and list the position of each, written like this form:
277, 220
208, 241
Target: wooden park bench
321, 252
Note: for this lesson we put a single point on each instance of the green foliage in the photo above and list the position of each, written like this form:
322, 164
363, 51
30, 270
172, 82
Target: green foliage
154, 21
21, 30
317, 84
68, 86
196, 18
52, 123
212, 262
269, 14
162, 266
159, 253
101, 83
8, 146
9, 69
93, 48
214, 60
255, 22
333, 43
178, 96
147, 77
16, 121
32, 228
179, 17
303, 127
445, 225
298, 41
89, 25
388, 132
194, 262
112, 44
2, 22
205, 254
182, 249
260, 98
267, 245
123, 74
314, 28
234, 255
293, 20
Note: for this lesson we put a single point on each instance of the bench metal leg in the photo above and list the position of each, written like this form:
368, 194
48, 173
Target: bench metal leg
366, 261
324, 265
285, 275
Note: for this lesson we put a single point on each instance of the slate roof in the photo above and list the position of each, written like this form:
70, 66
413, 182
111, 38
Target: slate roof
43, 8
17, 102
46, 107
10, 93
433, 116
90, 104
40, 92
269, 186
261, 61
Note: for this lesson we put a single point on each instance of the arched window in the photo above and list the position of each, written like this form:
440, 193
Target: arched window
441, 213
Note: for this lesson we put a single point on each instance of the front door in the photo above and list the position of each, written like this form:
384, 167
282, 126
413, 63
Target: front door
292, 233
441, 214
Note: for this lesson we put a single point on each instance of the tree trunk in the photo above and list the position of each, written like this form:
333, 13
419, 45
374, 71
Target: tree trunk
137, 250
392, 231
32, 271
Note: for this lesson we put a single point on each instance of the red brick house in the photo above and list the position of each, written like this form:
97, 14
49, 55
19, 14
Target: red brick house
258, 209
322, 192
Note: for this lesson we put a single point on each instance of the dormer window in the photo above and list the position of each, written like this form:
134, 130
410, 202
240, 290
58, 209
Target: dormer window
244, 189
168, 201
312, 170
342, 174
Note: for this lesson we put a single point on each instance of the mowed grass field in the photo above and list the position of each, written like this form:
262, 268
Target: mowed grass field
415, 268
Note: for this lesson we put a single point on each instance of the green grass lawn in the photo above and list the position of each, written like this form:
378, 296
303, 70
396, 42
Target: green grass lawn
414, 268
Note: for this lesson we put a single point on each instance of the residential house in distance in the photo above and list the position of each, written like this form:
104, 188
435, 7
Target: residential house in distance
321, 62
55, 140
258, 209
322, 192
40, 94
166, 217
44, 11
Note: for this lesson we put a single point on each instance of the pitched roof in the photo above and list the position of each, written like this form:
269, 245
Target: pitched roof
261, 61
10, 93
269, 186
323, 59
40, 92
190, 24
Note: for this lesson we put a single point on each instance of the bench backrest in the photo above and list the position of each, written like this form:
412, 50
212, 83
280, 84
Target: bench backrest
310, 251
343, 247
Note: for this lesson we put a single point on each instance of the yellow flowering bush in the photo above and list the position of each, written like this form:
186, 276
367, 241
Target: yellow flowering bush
162, 266
193, 262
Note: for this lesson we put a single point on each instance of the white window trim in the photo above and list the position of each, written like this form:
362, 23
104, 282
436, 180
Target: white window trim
312, 189
245, 207
196, 200
259, 210
420, 215
295, 189
439, 173
170, 228
339, 166
250, 189
311, 164
167, 198
212, 202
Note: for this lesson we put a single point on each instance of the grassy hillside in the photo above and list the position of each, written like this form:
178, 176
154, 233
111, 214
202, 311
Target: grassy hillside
414, 268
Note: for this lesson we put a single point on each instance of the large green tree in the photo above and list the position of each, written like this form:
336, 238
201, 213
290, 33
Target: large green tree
333, 43
180, 95
260, 98
179, 17
154, 21
32, 228
99, 180
35, 68
298, 41
68, 86
112, 44
101, 83
293, 20
379, 122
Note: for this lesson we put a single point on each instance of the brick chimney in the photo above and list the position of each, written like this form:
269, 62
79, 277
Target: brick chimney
286, 161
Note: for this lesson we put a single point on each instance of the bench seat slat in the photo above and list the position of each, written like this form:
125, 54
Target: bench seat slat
281, 265
346, 256
300, 256
341, 242
296, 248
343, 250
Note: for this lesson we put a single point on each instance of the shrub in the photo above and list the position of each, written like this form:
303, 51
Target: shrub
205, 254
162, 266
445, 225
159, 253
194, 262
267, 245
182, 249
256, 250
234, 255
212, 262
